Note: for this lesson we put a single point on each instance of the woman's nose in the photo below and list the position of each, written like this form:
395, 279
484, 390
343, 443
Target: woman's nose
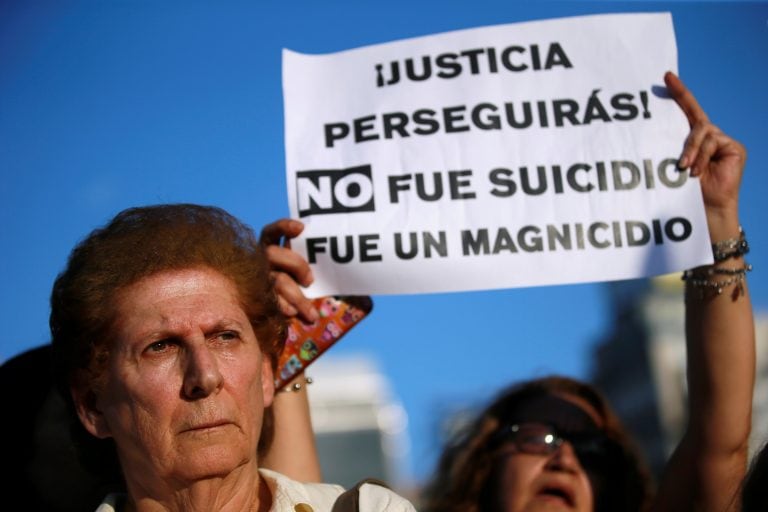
202, 375
564, 459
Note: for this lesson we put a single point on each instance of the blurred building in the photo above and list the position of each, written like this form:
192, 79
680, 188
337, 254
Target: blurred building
360, 426
640, 365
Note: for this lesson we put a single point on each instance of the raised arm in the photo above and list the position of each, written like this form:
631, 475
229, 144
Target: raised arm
708, 465
293, 451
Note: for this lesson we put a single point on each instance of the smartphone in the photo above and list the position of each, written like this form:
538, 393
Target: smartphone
304, 342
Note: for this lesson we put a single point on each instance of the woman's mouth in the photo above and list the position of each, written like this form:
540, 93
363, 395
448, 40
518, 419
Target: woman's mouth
558, 493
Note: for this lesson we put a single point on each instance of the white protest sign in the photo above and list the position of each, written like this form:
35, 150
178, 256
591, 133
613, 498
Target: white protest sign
514, 155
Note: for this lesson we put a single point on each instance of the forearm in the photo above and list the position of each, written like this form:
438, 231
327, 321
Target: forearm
721, 375
293, 451
720, 353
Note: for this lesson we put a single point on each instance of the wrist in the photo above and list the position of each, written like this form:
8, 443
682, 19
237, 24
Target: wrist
728, 248
723, 226
298, 384
723, 222
729, 267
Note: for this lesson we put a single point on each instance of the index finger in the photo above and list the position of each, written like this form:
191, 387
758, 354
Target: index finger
275, 232
685, 99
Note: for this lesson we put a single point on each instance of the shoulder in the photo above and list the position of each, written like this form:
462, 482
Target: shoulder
287, 493
374, 498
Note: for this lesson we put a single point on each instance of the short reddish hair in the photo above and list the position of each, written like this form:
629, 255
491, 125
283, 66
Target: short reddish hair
136, 243
143, 241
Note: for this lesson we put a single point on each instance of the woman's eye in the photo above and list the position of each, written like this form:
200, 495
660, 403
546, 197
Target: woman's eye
227, 335
159, 346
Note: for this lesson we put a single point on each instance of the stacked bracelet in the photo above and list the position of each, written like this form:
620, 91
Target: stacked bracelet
731, 248
704, 277
701, 277
296, 386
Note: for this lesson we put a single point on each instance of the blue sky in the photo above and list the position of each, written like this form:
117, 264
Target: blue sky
105, 105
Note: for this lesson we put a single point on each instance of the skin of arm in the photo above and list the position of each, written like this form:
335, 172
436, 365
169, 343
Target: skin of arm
707, 467
293, 451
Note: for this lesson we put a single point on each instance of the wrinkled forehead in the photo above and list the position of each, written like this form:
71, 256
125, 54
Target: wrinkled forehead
562, 413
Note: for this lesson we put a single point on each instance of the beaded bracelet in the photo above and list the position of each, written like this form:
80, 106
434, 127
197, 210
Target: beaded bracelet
702, 277
731, 248
296, 386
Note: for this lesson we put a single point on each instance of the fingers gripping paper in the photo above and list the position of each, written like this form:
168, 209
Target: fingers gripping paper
514, 155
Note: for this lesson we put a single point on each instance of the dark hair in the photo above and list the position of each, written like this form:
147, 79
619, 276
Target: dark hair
40, 466
140, 242
754, 494
463, 481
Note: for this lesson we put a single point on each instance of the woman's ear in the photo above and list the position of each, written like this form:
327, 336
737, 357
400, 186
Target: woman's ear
267, 381
90, 416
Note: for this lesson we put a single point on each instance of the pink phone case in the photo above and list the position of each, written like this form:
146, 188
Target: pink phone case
304, 343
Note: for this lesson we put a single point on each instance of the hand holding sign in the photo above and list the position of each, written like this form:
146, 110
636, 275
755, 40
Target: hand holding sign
718, 161
715, 158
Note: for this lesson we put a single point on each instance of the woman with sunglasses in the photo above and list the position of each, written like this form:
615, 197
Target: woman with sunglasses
550, 442
554, 444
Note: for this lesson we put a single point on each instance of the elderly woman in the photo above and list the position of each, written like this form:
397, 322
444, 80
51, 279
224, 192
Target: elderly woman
166, 331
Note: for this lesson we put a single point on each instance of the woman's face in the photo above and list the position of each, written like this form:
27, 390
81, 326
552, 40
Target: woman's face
186, 383
542, 482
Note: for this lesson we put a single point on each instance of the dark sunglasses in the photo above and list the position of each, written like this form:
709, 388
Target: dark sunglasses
593, 449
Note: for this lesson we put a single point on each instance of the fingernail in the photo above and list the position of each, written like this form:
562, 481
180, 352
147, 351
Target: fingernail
314, 315
683, 162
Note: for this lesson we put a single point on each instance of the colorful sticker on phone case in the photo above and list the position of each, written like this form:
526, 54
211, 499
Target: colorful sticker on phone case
304, 343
